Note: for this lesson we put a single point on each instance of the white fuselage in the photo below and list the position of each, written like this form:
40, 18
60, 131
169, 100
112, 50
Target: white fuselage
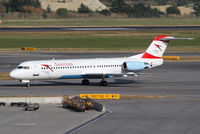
66, 69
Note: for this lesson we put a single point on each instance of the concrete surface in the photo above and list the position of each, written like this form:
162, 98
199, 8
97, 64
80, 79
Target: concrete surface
49, 119
33, 99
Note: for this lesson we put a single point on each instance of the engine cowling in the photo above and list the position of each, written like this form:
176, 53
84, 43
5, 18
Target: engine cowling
131, 66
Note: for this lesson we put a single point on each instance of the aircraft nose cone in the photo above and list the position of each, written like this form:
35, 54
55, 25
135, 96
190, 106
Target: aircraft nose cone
13, 74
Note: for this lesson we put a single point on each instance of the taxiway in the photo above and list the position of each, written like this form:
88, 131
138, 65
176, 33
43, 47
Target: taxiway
171, 115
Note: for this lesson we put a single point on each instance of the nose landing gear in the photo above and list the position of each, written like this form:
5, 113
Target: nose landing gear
27, 82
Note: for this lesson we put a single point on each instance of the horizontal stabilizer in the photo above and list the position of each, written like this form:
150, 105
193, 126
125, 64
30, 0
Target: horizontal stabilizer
173, 38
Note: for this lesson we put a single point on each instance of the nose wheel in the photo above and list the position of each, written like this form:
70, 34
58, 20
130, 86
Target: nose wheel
28, 84
85, 82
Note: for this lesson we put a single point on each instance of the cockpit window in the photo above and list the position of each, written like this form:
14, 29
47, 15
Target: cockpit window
23, 67
19, 67
26, 67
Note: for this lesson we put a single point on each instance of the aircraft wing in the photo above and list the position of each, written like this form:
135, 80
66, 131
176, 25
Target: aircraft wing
107, 75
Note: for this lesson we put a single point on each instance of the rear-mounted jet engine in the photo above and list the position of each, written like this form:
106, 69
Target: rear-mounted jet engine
131, 66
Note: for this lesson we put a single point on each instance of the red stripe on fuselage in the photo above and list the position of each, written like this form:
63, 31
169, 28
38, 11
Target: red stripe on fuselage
149, 56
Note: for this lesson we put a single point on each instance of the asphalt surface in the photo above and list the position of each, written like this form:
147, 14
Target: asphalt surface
167, 116
60, 29
149, 117
173, 78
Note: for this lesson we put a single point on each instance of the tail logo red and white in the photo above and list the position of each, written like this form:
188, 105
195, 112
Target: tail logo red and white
158, 46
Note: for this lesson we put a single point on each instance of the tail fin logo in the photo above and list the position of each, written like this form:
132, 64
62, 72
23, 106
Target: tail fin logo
158, 46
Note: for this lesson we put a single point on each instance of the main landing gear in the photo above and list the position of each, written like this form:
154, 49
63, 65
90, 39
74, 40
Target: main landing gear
103, 83
85, 82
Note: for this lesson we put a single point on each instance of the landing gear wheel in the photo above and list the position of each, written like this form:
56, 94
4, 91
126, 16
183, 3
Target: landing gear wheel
28, 84
85, 82
103, 83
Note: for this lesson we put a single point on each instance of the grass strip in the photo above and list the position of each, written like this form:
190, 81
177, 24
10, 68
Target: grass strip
130, 41
102, 22
190, 59
5, 76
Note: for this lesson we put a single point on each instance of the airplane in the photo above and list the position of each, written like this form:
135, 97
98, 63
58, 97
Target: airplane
100, 68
